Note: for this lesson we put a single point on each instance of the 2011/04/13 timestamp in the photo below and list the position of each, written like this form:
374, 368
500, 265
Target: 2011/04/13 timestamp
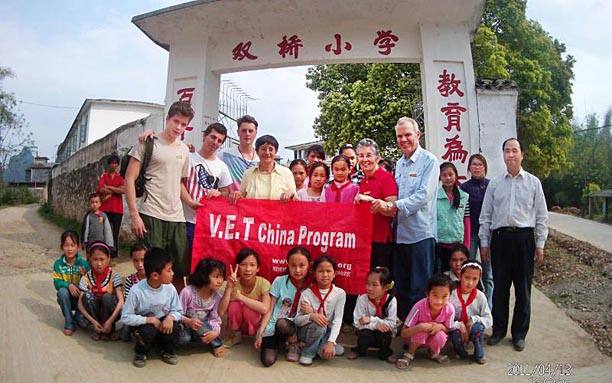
540, 372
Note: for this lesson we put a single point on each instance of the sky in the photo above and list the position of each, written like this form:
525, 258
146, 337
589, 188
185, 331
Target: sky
65, 51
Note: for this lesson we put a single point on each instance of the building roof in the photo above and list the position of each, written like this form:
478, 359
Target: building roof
602, 193
304, 145
497, 84
220, 17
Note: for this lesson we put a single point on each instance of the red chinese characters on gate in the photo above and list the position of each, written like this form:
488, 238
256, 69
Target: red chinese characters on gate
185, 95
449, 85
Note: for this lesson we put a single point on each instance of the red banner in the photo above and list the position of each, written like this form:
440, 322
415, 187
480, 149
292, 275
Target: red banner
272, 228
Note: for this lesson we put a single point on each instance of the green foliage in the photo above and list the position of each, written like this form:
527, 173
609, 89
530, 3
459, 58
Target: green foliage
47, 212
364, 100
15, 195
12, 136
543, 72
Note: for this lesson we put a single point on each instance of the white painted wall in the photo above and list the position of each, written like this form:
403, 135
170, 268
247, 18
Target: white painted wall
106, 117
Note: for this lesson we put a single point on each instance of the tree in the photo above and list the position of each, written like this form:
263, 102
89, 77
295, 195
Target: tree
359, 100
12, 124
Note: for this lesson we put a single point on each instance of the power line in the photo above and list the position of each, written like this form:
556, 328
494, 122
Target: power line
47, 106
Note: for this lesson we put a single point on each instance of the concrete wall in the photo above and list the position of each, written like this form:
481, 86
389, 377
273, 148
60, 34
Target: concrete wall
106, 116
74, 179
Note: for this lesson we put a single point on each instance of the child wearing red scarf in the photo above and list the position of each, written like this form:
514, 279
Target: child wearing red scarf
102, 297
375, 316
319, 316
473, 315
340, 189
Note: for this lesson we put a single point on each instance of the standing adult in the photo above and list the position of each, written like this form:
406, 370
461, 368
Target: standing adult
416, 174
239, 158
476, 187
513, 230
268, 180
208, 176
111, 187
160, 220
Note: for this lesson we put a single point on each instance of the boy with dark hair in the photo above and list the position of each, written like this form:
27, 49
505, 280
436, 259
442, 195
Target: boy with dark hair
111, 186
153, 309
96, 226
161, 219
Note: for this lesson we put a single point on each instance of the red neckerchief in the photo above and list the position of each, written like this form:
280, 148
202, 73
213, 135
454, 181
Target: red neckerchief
296, 297
337, 189
464, 305
317, 293
99, 279
379, 305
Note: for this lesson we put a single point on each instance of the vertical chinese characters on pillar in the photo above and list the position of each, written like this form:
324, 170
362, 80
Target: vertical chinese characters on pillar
185, 95
242, 51
449, 86
290, 46
385, 41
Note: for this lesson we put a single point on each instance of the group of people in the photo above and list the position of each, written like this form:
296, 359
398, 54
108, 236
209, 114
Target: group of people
435, 245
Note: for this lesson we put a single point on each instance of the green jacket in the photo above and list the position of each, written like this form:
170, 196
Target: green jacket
65, 275
450, 220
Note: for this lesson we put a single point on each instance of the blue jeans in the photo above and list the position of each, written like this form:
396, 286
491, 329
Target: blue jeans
476, 335
189, 335
413, 265
314, 338
100, 308
68, 303
190, 232
487, 270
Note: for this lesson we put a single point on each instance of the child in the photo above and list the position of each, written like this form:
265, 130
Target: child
153, 307
277, 327
246, 297
67, 271
453, 216
319, 328
348, 150
319, 173
298, 168
137, 252
96, 226
458, 255
102, 296
200, 301
428, 321
473, 312
341, 189
375, 316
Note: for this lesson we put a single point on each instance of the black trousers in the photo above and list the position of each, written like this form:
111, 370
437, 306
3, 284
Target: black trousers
115, 221
369, 338
512, 259
146, 335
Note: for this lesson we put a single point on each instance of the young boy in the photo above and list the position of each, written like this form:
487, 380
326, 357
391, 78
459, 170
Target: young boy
137, 252
154, 309
96, 226
102, 297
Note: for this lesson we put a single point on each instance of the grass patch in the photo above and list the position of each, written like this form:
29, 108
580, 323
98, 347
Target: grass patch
10, 195
65, 223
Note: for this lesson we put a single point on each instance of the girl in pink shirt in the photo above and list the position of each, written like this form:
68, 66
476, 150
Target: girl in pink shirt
341, 189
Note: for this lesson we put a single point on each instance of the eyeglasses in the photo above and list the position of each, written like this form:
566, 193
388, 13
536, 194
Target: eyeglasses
368, 156
477, 165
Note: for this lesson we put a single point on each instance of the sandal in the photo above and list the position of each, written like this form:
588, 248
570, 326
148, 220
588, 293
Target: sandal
114, 336
352, 355
96, 336
404, 361
391, 359
440, 358
219, 352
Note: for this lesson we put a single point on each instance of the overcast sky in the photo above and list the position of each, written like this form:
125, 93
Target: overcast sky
63, 52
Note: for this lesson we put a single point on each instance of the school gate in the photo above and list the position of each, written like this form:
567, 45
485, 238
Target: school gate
208, 38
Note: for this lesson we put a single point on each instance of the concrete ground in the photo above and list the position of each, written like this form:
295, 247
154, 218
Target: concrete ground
35, 350
595, 233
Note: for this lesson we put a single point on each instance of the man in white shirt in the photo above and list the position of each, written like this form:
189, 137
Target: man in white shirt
513, 230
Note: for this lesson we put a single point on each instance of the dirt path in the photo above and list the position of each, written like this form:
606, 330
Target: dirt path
35, 350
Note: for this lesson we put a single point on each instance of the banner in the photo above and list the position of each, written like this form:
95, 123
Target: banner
272, 228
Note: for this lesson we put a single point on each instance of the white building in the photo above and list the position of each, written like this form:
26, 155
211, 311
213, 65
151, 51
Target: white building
99, 117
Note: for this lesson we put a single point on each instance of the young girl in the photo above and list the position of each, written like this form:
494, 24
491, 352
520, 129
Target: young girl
137, 253
246, 297
375, 315
428, 321
200, 301
453, 216
458, 255
67, 271
319, 318
341, 189
472, 312
348, 150
277, 327
298, 168
319, 173
102, 297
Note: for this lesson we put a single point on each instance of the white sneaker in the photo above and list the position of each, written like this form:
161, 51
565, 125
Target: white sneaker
338, 349
305, 360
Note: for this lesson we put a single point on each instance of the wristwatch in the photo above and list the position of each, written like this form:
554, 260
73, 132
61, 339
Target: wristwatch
389, 205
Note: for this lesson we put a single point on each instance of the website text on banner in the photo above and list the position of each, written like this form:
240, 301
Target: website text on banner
272, 228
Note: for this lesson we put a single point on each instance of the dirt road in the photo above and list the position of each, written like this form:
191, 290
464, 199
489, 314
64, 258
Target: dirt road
35, 350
